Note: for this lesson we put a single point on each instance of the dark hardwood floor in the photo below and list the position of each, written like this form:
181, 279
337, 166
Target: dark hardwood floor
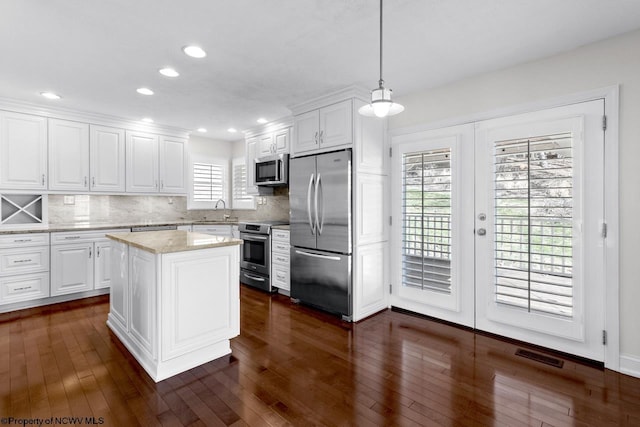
295, 366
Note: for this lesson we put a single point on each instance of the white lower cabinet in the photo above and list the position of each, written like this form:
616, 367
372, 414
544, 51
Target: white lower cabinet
24, 267
80, 261
71, 268
280, 264
174, 311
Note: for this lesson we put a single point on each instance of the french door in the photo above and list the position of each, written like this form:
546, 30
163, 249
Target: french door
501, 226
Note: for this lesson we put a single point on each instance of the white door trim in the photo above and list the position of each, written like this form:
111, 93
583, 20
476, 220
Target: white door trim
610, 94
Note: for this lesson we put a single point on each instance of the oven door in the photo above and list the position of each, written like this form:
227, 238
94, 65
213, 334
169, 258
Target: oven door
255, 252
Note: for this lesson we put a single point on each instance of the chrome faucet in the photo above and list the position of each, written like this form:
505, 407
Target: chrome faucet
224, 208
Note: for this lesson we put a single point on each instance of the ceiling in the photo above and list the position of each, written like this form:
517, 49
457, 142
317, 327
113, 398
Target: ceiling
266, 55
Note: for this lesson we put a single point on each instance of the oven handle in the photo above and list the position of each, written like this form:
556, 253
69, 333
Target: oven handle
246, 237
311, 222
248, 276
332, 258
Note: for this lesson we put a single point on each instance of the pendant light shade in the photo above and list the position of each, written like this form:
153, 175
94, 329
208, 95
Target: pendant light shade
381, 104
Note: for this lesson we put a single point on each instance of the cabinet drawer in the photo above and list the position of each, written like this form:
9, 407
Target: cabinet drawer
25, 239
24, 287
82, 236
280, 277
280, 236
24, 260
280, 257
280, 247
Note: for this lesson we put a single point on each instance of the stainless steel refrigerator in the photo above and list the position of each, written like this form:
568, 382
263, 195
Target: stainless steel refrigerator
321, 228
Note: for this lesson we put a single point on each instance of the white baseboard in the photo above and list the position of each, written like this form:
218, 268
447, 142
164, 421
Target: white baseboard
630, 365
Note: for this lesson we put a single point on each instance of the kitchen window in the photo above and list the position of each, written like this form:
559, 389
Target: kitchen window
241, 200
209, 183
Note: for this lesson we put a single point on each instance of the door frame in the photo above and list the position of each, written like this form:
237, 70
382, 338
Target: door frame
611, 95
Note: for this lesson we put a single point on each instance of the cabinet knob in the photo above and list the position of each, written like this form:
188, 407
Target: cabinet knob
42, 179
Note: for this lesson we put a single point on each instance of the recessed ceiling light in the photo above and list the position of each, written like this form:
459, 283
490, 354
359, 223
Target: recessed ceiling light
232, 130
202, 130
50, 95
144, 91
147, 120
194, 51
168, 72
262, 120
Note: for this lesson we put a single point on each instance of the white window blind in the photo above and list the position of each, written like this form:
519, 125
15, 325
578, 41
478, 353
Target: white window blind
426, 228
241, 200
208, 182
533, 223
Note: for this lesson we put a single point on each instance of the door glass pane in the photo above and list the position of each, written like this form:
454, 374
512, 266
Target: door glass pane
533, 223
426, 227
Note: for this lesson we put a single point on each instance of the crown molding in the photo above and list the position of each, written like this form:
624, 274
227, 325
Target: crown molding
19, 106
349, 92
273, 126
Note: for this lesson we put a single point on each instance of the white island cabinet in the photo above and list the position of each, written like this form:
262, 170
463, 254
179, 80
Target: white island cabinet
175, 298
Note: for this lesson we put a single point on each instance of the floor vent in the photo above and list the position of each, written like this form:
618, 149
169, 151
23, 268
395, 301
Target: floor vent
540, 358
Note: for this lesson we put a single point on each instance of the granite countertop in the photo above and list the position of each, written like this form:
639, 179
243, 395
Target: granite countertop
281, 227
168, 241
86, 226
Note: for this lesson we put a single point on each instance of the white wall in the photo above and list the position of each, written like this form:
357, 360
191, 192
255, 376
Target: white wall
606, 63
210, 147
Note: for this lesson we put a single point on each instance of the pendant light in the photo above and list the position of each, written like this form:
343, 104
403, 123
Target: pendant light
381, 104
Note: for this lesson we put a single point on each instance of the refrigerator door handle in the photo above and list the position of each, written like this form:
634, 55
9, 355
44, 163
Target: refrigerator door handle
331, 258
311, 223
319, 209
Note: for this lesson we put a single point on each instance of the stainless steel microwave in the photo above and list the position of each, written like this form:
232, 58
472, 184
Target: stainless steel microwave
272, 171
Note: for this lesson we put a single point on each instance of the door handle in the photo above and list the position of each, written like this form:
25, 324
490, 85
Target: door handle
86, 181
316, 138
93, 181
311, 223
328, 257
319, 222
321, 136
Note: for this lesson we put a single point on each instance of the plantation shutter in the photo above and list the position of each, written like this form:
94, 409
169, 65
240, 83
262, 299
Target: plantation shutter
208, 182
426, 228
533, 222
241, 200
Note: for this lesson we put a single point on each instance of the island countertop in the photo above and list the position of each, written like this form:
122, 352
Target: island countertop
168, 241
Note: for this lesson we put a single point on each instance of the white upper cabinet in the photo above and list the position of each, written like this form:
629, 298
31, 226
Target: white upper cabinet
107, 164
306, 130
155, 163
23, 151
252, 150
172, 165
68, 155
266, 144
327, 127
336, 125
142, 162
281, 141
275, 142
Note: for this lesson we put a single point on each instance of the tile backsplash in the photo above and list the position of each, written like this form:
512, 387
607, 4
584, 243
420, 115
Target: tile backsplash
152, 209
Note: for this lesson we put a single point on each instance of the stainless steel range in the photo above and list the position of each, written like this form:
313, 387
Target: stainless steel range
255, 260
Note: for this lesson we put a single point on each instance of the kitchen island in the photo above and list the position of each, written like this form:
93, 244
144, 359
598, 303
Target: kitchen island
175, 298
